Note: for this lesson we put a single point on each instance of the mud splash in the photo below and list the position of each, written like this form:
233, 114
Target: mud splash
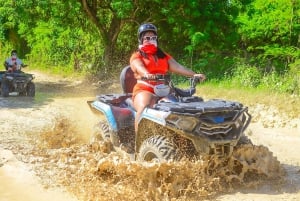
95, 172
62, 133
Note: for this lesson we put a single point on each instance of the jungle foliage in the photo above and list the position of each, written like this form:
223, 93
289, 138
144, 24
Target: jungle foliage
251, 42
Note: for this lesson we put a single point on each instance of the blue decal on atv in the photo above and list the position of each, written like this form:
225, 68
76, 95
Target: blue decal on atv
106, 109
218, 119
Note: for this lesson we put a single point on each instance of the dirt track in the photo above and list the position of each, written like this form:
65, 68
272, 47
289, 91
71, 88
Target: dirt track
44, 142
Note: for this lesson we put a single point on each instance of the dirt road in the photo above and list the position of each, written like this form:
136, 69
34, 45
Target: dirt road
45, 154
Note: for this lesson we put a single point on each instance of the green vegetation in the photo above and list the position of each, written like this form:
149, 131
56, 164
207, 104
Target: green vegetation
287, 104
239, 43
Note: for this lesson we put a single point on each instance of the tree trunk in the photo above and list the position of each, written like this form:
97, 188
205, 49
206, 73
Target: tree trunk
108, 30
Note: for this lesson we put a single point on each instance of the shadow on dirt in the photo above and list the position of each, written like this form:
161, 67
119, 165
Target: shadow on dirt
77, 88
46, 92
15, 102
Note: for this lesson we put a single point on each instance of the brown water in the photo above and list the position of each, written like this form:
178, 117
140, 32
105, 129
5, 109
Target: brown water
46, 155
18, 183
94, 172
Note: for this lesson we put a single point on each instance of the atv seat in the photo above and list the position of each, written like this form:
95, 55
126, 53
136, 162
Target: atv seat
127, 80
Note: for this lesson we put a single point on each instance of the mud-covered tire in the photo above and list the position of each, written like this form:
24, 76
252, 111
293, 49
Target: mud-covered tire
23, 93
4, 88
101, 132
100, 138
244, 140
157, 149
30, 89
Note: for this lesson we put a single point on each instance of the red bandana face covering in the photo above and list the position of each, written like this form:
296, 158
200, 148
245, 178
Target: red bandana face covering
148, 48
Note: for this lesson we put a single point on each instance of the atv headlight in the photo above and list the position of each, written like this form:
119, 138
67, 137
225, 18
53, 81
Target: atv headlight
9, 77
185, 123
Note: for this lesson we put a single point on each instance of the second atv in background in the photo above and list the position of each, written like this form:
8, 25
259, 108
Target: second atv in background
17, 81
14, 79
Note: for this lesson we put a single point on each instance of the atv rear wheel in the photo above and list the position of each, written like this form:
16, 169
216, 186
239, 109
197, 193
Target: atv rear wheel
5, 88
102, 131
30, 89
157, 149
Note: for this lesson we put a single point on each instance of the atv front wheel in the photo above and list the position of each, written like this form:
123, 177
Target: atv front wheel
5, 88
30, 89
22, 93
157, 149
244, 140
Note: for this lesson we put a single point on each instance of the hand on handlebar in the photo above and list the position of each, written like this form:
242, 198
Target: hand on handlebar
200, 76
148, 76
10, 69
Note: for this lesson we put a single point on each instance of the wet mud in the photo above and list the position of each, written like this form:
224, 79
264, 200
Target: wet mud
50, 137
96, 172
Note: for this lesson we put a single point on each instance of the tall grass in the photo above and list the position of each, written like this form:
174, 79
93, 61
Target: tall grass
251, 77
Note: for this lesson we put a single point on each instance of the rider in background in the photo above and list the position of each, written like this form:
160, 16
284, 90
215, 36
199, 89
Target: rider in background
13, 63
147, 61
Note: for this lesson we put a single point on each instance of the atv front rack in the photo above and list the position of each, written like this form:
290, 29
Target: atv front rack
214, 126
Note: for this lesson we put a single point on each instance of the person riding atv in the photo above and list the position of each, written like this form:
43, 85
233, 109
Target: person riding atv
148, 61
13, 63
153, 120
14, 80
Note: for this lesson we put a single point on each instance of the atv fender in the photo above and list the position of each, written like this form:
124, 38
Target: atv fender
107, 111
155, 116
117, 117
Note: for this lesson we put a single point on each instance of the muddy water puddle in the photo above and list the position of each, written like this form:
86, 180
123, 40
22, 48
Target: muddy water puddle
95, 172
18, 182
60, 158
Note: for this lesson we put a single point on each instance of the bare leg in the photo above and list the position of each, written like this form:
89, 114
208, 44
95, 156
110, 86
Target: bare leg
141, 101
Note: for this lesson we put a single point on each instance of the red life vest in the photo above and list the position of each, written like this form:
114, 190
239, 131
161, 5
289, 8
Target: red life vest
153, 64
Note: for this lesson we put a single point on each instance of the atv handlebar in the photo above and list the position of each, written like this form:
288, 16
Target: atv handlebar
194, 81
160, 77
15, 68
156, 77
167, 79
190, 91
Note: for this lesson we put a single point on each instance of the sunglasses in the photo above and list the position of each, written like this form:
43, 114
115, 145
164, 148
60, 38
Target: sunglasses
148, 38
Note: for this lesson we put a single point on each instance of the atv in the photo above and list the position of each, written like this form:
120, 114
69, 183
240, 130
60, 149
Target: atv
178, 125
17, 81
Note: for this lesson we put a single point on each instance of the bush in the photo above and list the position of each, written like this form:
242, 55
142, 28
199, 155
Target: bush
283, 83
246, 76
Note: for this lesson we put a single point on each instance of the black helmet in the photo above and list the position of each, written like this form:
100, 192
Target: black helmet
144, 28
13, 52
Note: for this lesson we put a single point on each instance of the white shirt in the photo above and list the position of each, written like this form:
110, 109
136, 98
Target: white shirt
12, 62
